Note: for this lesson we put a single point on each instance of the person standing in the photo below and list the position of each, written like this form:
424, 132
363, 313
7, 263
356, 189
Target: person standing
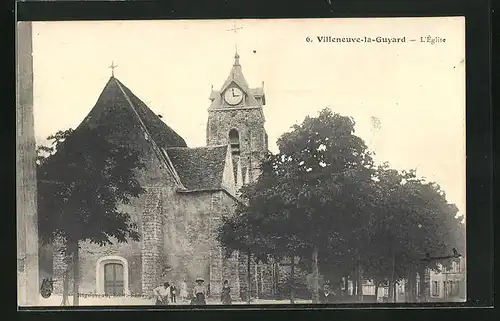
199, 292
184, 291
326, 295
173, 292
226, 293
162, 294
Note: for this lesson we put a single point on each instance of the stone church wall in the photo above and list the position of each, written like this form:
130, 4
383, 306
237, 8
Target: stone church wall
191, 249
144, 269
186, 243
89, 255
221, 268
250, 126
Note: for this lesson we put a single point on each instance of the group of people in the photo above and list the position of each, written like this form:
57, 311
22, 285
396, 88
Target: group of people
166, 293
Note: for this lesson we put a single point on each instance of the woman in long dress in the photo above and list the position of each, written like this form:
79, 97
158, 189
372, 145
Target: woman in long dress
183, 291
199, 292
226, 293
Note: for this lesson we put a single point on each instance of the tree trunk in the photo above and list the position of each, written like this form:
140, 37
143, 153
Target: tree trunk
407, 287
65, 301
274, 278
277, 278
292, 280
76, 275
256, 281
359, 282
376, 291
392, 283
391, 290
423, 284
353, 280
315, 272
249, 287
412, 284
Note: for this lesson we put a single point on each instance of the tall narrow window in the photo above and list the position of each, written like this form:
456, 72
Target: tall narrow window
234, 141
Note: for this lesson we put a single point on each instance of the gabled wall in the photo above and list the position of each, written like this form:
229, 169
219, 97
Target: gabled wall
142, 257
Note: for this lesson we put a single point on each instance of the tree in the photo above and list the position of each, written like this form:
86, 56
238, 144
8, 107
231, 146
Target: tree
273, 219
326, 172
81, 183
411, 218
322, 194
302, 193
237, 234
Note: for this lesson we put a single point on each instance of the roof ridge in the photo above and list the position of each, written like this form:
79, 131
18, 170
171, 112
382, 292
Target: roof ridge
164, 155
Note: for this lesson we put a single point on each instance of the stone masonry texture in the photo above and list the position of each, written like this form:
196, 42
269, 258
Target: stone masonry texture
252, 135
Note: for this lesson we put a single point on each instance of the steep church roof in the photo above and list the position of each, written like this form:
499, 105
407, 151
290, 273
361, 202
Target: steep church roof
118, 108
200, 168
118, 101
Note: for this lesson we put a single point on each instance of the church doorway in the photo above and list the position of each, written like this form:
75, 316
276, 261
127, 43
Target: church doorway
112, 276
113, 279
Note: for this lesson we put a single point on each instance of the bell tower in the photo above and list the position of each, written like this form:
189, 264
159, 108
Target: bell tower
236, 117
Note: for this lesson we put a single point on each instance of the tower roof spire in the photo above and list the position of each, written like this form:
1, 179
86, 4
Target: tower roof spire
236, 59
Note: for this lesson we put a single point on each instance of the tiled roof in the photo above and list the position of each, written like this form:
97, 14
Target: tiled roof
119, 110
199, 168
257, 92
161, 132
113, 108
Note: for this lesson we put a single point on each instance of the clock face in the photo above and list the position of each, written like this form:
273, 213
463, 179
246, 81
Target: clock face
233, 96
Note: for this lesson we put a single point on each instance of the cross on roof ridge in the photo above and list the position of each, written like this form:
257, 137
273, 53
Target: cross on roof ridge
113, 66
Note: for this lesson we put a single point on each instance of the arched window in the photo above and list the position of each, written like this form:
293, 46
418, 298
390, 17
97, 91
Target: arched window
234, 141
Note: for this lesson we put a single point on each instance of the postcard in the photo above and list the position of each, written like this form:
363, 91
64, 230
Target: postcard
241, 162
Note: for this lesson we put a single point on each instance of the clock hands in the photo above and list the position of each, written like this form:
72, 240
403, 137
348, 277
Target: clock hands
232, 90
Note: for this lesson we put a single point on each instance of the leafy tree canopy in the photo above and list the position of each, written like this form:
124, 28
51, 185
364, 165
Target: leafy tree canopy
81, 183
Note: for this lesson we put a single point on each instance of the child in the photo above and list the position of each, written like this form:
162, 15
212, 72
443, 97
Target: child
173, 292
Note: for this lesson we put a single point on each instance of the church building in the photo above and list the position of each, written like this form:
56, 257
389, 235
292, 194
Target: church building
187, 193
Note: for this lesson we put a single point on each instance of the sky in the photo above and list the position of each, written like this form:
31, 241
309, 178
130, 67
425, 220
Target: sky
415, 89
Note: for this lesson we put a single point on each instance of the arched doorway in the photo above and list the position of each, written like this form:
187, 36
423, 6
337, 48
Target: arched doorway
112, 276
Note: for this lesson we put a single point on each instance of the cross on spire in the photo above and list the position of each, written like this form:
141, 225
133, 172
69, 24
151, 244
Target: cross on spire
112, 66
235, 30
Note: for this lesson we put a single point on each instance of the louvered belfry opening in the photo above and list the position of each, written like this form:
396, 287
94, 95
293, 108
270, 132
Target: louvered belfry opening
234, 141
